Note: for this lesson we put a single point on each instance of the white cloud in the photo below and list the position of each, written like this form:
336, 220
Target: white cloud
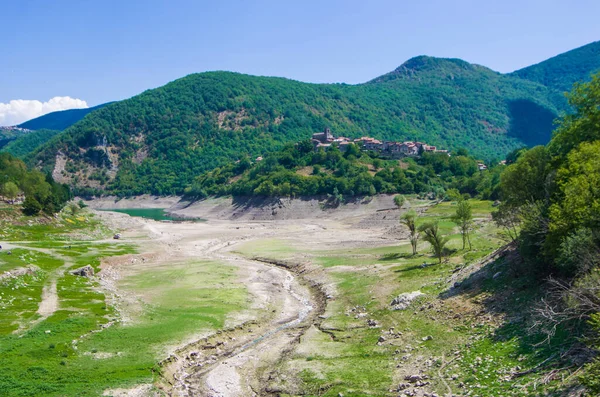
18, 111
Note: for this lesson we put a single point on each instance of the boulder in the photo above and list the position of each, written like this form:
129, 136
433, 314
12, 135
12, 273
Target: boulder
86, 271
403, 301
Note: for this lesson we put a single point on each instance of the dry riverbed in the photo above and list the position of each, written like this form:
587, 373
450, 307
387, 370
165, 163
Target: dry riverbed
317, 318
284, 299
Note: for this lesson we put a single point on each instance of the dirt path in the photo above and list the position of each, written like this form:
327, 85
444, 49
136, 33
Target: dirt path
239, 373
235, 361
284, 307
284, 299
49, 300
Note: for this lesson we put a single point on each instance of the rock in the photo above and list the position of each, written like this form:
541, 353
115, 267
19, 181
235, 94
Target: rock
413, 378
426, 338
495, 276
86, 271
402, 301
371, 323
381, 339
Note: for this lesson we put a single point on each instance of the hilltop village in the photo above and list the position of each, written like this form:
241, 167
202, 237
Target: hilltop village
390, 149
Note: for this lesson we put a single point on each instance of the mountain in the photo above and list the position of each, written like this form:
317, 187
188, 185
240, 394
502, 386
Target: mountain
60, 120
158, 141
562, 71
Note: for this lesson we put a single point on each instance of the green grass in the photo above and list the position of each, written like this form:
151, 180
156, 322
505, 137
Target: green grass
272, 248
353, 363
177, 302
61, 356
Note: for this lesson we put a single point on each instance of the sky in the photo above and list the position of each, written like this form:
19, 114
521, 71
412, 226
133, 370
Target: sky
76, 53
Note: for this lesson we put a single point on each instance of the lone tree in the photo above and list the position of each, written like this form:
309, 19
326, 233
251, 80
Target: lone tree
399, 200
74, 208
409, 220
508, 219
431, 234
464, 219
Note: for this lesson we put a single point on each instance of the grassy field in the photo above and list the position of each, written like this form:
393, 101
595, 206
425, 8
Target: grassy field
456, 339
87, 346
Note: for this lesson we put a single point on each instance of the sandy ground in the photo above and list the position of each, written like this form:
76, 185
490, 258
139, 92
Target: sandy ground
237, 361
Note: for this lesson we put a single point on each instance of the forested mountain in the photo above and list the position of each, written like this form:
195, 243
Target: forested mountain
562, 71
58, 120
158, 141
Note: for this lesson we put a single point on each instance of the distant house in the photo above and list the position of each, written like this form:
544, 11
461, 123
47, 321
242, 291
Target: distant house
481, 166
409, 148
259, 158
369, 143
343, 146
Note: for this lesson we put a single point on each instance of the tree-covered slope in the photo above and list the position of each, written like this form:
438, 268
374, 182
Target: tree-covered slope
158, 141
60, 120
298, 170
28, 142
562, 71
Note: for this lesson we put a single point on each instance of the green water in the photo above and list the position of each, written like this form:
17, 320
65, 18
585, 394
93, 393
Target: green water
157, 214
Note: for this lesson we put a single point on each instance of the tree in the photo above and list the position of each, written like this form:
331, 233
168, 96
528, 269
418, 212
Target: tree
31, 206
399, 200
508, 219
582, 125
10, 190
453, 194
74, 208
526, 181
432, 234
409, 220
464, 219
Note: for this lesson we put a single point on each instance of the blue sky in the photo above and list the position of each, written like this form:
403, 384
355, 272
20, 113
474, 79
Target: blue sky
99, 51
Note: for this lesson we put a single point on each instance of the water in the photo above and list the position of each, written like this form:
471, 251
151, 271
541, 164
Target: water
157, 214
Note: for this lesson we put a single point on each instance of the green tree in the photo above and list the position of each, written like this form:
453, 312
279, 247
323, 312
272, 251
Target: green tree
464, 220
582, 125
453, 194
526, 181
31, 206
399, 200
10, 190
74, 208
508, 219
432, 234
409, 220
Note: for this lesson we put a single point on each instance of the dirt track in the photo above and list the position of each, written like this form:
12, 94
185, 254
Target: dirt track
282, 307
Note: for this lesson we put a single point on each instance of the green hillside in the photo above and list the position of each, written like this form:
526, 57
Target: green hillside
562, 71
60, 120
26, 143
298, 170
158, 141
